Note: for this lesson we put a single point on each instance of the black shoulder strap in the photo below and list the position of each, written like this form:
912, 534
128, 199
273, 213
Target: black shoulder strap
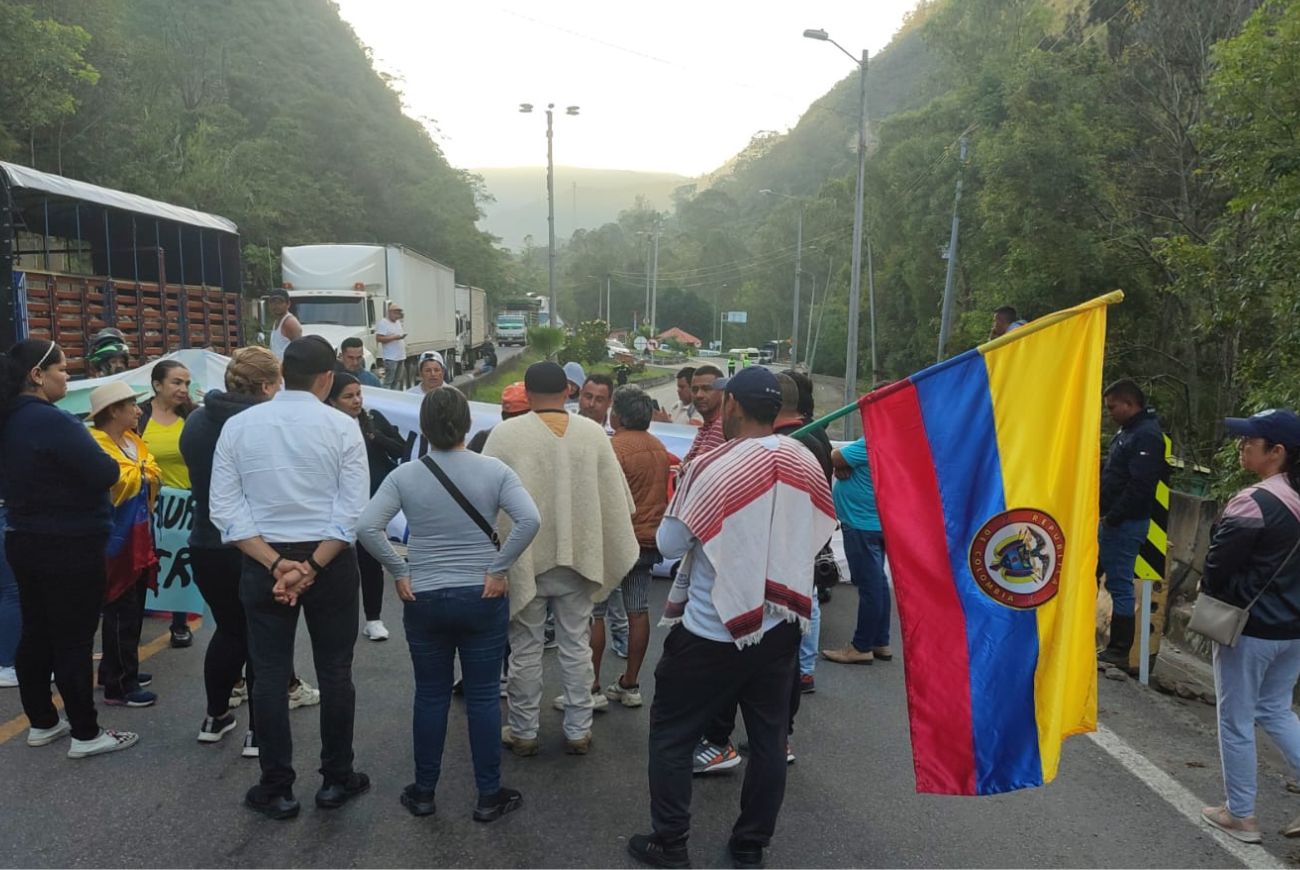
469, 509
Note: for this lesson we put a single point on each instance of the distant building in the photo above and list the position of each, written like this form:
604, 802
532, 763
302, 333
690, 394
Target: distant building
680, 336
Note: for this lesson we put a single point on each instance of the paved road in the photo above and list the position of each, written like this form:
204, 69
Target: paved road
849, 803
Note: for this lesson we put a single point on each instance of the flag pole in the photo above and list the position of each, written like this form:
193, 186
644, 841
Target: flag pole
1041, 323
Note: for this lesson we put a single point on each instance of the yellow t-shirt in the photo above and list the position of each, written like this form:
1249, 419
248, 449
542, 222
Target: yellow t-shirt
165, 444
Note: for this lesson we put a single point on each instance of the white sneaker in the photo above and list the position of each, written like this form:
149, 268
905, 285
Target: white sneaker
628, 697
375, 630
598, 702
45, 736
107, 741
303, 695
8, 678
238, 695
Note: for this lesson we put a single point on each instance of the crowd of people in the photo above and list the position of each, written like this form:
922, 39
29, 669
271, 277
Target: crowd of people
547, 525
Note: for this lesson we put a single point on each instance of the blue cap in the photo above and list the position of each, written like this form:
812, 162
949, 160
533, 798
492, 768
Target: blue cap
753, 387
1278, 425
573, 371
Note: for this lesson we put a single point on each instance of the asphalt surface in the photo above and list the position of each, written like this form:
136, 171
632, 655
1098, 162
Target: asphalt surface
850, 798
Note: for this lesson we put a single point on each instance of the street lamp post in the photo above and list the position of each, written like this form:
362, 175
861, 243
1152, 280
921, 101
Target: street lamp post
798, 271
527, 108
855, 275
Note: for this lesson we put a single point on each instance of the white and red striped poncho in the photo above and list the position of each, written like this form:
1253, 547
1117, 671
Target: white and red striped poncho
760, 515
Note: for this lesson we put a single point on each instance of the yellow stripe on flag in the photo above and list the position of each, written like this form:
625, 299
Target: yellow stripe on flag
1046, 393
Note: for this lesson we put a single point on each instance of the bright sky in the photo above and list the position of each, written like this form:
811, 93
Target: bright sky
670, 86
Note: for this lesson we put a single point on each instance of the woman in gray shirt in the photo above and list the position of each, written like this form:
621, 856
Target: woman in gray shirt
453, 583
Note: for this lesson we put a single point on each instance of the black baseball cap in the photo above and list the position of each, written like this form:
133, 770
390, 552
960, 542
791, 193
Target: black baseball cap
278, 293
754, 387
1278, 425
310, 355
545, 378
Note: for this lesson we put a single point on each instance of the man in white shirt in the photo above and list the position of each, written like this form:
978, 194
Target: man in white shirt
289, 481
285, 327
682, 412
391, 335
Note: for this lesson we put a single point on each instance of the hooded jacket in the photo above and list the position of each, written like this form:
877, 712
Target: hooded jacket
198, 444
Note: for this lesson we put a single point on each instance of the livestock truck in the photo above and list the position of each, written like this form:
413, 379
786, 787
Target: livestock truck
77, 258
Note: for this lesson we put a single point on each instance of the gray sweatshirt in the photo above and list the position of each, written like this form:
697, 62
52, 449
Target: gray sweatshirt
446, 548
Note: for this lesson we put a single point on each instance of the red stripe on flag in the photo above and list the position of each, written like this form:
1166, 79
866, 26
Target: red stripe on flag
936, 660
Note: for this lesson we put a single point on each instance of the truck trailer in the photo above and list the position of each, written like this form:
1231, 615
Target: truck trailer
343, 291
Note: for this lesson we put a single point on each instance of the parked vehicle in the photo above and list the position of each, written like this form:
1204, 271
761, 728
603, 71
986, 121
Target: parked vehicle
341, 291
472, 333
77, 259
512, 328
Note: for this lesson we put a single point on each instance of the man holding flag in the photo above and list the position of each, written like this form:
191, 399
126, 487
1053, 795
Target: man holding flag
749, 516
985, 474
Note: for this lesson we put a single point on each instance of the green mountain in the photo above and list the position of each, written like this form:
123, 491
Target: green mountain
583, 198
267, 112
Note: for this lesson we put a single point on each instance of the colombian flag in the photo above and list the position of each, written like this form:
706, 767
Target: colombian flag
986, 475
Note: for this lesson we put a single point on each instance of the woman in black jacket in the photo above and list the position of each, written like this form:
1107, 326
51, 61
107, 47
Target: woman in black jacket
56, 480
1253, 558
252, 376
384, 448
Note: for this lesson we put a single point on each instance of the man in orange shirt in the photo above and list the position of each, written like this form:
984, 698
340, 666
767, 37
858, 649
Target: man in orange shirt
645, 464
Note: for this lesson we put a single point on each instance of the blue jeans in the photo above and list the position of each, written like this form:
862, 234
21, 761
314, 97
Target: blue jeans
811, 641
1253, 682
865, 552
1118, 548
11, 615
439, 624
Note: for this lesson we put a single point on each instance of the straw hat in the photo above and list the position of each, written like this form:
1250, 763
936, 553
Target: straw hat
109, 394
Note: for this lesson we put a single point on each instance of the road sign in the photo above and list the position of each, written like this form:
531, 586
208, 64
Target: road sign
736, 316
640, 342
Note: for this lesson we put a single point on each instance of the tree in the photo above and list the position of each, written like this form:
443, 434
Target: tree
44, 66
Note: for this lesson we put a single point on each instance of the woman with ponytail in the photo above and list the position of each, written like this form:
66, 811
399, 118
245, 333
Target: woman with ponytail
384, 449
1253, 558
56, 483
453, 583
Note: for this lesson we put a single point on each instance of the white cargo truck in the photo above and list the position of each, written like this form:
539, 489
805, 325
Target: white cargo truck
341, 291
471, 326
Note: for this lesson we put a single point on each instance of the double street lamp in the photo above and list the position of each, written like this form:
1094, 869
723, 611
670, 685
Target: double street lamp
855, 280
527, 108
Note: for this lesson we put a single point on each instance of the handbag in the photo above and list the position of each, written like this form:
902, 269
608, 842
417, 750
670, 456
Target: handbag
1222, 622
469, 509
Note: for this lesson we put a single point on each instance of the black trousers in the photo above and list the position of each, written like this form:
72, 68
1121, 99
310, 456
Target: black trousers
61, 584
695, 681
330, 608
372, 583
719, 730
119, 668
216, 573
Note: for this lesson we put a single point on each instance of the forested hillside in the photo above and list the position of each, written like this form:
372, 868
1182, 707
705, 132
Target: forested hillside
265, 111
1145, 145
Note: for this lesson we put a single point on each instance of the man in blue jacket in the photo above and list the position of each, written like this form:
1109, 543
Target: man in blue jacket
1128, 488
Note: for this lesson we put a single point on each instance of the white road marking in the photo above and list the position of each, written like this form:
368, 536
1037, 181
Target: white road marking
1180, 798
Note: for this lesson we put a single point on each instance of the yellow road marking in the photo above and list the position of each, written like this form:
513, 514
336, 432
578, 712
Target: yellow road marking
14, 727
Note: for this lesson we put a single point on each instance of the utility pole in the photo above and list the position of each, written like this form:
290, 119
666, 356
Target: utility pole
871, 304
855, 273
798, 271
654, 286
945, 318
812, 302
554, 315
609, 312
